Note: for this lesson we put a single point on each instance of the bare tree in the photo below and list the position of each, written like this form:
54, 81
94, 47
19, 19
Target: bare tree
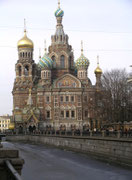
117, 101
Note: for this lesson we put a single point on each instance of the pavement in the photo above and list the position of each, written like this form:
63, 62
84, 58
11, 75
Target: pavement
47, 163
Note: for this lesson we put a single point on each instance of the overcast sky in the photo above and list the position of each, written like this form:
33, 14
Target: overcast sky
105, 26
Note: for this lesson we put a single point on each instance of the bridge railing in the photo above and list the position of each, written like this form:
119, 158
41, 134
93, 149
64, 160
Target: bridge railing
84, 133
12, 173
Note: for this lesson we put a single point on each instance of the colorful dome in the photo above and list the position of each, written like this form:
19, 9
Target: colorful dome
25, 42
59, 12
45, 62
82, 62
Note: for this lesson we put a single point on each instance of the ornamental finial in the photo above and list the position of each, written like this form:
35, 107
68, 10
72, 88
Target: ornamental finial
58, 3
45, 47
82, 47
39, 53
24, 25
98, 60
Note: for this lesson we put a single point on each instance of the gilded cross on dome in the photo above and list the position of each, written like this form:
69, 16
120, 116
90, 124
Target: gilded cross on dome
82, 47
58, 3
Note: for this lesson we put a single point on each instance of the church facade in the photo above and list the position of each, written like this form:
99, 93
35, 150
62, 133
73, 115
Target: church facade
57, 92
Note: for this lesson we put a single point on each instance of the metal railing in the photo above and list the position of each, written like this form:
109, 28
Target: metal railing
11, 172
83, 133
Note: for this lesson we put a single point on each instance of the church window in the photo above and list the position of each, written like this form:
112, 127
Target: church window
47, 99
67, 98
62, 114
61, 37
26, 70
26, 54
23, 54
20, 54
81, 74
44, 74
48, 74
72, 114
61, 98
86, 113
72, 98
20, 70
48, 114
62, 61
29, 54
67, 114
54, 61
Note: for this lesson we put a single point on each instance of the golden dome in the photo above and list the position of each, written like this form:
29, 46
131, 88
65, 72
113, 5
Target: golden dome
25, 42
98, 70
11, 126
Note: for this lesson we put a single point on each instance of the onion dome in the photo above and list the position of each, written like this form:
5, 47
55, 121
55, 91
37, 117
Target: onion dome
45, 61
59, 12
82, 61
25, 42
98, 70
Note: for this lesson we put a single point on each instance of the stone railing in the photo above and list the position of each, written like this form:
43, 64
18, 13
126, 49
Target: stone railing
10, 164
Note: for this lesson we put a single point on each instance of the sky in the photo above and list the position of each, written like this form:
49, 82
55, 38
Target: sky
104, 26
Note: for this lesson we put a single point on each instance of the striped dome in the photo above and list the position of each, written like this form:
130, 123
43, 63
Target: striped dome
82, 62
45, 62
59, 12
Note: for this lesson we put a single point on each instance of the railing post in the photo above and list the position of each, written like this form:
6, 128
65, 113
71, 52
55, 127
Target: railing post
81, 133
91, 133
103, 133
72, 133
119, 134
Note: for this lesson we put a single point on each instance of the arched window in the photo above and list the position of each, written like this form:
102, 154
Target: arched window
62, 61
26, 70
23, 54
26, 54
44, 74
20, 54
29, 54
54, 61
20, 70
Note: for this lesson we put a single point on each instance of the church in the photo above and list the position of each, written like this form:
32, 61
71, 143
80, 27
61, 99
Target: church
56, 93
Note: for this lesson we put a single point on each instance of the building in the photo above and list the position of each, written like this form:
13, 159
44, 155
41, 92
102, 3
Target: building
55, 93
5, 122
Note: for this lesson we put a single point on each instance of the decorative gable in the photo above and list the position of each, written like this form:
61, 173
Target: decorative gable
67, 81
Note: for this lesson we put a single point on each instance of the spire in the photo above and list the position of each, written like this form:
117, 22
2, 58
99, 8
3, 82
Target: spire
81, 47
30, 101
25, 31
24, 25
58, 3
98, 60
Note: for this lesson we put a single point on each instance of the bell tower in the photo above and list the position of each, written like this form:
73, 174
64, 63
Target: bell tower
26, 76
25, 66
60, 51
